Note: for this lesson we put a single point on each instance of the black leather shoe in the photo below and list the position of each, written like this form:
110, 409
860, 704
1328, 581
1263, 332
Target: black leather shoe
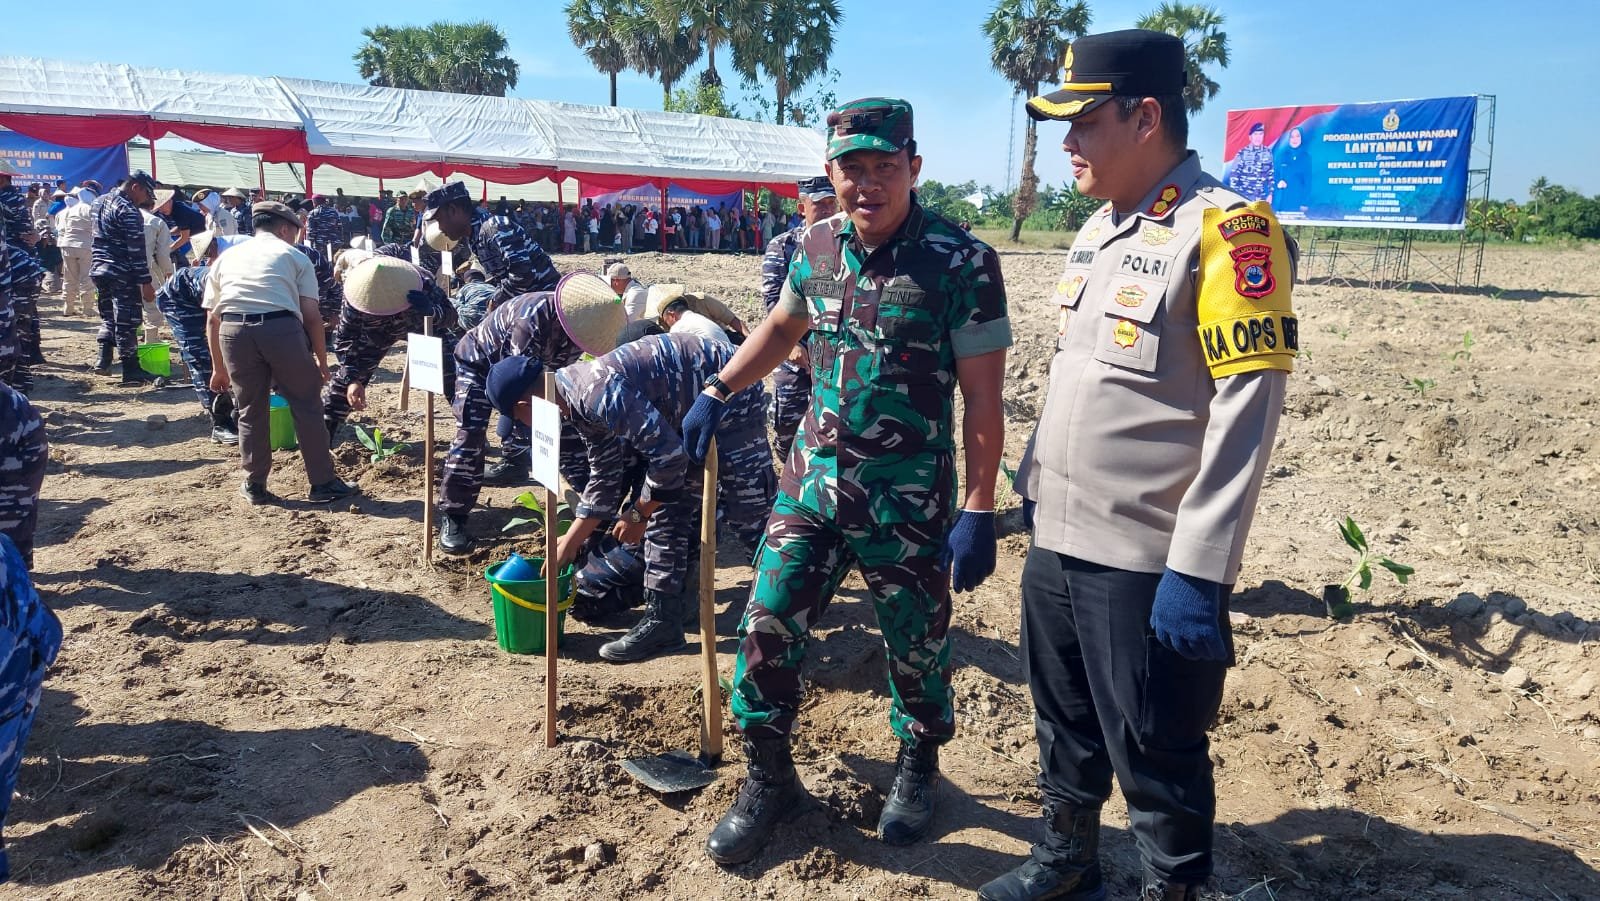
330, 491
908, 810
257, 494
224, 435
1064, 867
771, 793
1161, 890
133, 375
453, 537
513, 471
660, 629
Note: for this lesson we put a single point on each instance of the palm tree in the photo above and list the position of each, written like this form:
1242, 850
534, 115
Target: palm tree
716, 22
1028, 40
661, 43
598, 28
1537, 190
1204, 42
458, 57
790, 41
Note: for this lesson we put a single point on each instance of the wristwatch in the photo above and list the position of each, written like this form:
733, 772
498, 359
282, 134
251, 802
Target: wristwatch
633, 515
719, 385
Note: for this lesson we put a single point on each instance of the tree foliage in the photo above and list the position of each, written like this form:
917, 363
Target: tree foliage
661, 44
601, 29
789, 41
1204, 44
456, 57
1028, 41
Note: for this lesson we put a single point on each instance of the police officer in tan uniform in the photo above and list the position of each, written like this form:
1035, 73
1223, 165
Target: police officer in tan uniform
1141, 479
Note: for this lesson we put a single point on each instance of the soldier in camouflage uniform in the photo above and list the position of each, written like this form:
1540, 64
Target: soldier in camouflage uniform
180, 300
632, 401
473, 298
364, 338
30, 637
555, 328
23, 455
120, 269
791, 381
15, 218
330, 296
515, 263
901, 306
1250, 174
21, 338
324, 226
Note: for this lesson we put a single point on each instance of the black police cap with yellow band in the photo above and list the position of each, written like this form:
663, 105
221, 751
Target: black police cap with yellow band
1131, 63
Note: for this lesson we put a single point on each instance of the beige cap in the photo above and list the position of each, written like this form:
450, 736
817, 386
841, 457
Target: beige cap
276, 209
378, 285
590, 312
618, 270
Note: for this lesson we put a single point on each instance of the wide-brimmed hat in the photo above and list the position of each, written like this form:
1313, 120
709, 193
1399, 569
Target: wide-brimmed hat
8, 169
590, 312
378, 286
163, 196
235, 193
200, 245
658, 297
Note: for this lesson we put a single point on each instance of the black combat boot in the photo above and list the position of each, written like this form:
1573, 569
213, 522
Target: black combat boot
223, 428
509, 471
770, 794
908, 810
1158, 889
132, 374
1065, 866
660, 629
103, 364
453, 537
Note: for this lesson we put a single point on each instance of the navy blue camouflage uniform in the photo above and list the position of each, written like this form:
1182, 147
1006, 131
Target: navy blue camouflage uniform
526, 326
14, 217
119, 267
363, 339
324, 227
791, 382
30, 638
635, 398
19, 339
514, 262
23, 455
330, 296
241, 215
179, 300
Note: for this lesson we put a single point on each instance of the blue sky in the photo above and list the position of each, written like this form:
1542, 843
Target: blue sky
1537, 56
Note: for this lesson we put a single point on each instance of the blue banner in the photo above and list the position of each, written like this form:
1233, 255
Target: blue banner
49, 163
1395, 164
648, 195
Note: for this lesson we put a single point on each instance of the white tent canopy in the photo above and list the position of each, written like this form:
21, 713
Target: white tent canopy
372, 130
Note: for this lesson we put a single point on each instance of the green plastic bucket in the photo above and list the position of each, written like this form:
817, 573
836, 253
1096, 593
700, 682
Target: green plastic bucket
280, 427
156, 359
519, 610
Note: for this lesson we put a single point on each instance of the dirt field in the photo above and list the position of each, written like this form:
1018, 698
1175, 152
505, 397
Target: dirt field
282, 702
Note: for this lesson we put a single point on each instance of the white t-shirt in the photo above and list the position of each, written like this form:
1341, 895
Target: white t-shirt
693, 323
633, 300
260, 275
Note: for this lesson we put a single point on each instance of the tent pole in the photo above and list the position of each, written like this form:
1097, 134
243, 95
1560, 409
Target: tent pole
153, 158
561, 213
261, 174
310, 164
661, 220
380, 186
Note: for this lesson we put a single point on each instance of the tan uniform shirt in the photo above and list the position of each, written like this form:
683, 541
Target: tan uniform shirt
260, 275
1155, 437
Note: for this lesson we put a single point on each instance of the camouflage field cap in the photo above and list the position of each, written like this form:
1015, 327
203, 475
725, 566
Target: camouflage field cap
871, 123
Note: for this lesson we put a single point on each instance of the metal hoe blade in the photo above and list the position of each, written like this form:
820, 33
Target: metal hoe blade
674, 771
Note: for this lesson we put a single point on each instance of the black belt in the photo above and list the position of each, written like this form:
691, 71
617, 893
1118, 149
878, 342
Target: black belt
255, 318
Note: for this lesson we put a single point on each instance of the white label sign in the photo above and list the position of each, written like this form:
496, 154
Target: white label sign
425, 356
546, 426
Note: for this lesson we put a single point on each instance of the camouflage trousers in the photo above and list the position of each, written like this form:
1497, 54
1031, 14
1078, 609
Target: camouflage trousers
21, 344
798, 570
23, 455
745, 489
791, 396
343, 374
188, 324
121, 309
463, 464
30, 638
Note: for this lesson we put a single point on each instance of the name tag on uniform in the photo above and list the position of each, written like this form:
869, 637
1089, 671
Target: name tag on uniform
905, 296
822, 287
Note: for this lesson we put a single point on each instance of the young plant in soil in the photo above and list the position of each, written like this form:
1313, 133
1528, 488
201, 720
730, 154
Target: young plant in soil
374, 443
530, 501
1421, 386
1465, 353
1336, 598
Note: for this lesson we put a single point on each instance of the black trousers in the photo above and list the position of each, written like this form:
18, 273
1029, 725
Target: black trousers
1109, 698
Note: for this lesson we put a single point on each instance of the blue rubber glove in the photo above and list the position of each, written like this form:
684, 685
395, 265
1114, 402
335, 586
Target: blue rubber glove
1185, 616
969, 550
701, 424
1027, 513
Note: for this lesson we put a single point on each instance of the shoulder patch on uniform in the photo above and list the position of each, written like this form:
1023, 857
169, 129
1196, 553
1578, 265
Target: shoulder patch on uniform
1246, 320
1164, 202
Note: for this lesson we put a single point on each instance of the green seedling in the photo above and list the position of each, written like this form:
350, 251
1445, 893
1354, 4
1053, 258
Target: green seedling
1465, 353
1421, 386
530, 501
374, 443
1337, 597
1011, 474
